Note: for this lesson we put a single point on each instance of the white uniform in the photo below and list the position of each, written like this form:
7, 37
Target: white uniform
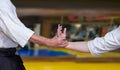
12, 30
110, 41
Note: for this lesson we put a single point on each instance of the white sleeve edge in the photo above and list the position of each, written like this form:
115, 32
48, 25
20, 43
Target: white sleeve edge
92, 49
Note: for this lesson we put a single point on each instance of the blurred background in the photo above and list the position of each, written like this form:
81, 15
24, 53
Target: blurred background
84, 20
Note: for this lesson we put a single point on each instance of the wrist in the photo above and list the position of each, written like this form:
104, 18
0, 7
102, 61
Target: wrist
68, 46
47, 42
50, 42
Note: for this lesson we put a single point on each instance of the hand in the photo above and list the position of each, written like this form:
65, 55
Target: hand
61, 34
60, 38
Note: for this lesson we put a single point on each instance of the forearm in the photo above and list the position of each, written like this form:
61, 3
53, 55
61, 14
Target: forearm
78, 46
39, 39
53, 42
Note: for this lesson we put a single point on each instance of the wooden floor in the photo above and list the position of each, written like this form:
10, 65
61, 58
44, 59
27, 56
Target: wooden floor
106, 61
73, 59
82, 61
70, 66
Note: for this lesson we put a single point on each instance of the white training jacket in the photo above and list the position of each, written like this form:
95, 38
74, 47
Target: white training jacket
12, 30
110, 41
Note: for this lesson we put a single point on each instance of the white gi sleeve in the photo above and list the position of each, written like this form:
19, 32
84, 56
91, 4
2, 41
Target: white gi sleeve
13, 27
110, 41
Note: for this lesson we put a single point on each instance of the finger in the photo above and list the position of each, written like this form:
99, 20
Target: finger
63, 35
64, 32
60, 27
59, 30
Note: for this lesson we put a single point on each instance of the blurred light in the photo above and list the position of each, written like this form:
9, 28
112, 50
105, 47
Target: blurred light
78, 25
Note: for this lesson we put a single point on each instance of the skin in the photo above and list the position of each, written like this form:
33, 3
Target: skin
57, 41
77, 46
60, 41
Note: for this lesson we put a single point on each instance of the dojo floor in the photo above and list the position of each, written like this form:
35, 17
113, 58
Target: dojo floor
67, 65
70, 66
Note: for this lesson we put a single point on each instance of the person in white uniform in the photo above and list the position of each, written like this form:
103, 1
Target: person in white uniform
99, 45
13, 33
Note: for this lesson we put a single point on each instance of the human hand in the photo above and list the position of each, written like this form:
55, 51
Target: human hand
60, 38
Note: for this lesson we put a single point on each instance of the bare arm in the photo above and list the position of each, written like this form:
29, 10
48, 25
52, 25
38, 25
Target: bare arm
39, 39
78, 46
53, 42
110, 41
